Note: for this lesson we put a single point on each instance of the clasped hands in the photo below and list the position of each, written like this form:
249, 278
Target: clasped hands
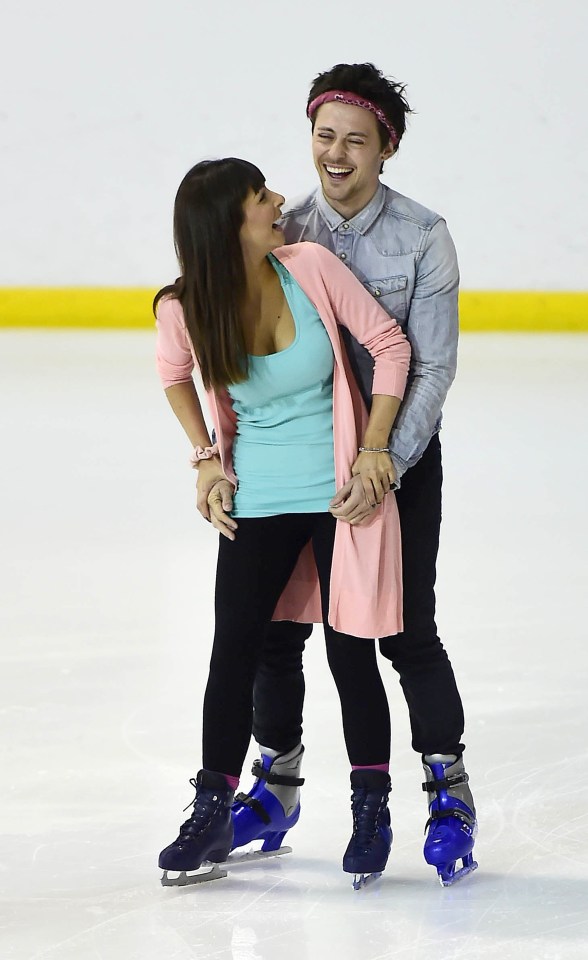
372, 478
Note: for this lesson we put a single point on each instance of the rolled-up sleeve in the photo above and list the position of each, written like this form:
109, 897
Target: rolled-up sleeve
174, 358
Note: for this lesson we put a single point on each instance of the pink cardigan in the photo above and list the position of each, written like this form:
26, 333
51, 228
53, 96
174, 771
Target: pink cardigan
366, 577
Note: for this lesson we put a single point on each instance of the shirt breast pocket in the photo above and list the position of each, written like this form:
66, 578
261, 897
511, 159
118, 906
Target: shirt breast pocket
391, 294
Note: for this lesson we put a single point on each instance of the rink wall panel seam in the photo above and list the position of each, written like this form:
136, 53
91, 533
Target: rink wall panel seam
129, 308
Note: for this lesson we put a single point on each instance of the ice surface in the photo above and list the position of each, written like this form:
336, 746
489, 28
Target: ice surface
106, 622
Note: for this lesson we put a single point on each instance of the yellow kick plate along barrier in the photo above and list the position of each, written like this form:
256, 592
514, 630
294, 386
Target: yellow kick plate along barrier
129, 308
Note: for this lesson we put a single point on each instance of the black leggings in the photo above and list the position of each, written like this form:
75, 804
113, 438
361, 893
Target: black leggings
417, 654
252, 572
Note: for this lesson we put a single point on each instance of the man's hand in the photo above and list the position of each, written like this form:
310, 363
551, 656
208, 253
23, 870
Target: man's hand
215, 497
350, 503
377, 474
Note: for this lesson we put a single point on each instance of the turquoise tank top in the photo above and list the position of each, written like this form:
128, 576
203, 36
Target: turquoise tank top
283, 449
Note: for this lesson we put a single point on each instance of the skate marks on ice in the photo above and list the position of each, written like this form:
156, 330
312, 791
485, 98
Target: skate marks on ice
307, 913
408, 917
218, 871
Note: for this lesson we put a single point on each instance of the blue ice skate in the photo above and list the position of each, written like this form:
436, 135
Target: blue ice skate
272, 806
206, 836
369, 848
452, 824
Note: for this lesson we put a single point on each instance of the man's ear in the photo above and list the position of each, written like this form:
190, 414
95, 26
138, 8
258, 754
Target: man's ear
388, 151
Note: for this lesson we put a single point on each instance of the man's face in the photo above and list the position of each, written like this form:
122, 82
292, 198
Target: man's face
347, 154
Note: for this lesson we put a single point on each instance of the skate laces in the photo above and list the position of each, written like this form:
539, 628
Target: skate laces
206, 803
193, 783
367, 808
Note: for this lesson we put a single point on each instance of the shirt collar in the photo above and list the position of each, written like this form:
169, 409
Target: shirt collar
362, 221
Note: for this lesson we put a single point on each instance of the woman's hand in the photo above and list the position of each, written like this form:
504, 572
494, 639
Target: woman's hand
215, 497
377, 475
350, 504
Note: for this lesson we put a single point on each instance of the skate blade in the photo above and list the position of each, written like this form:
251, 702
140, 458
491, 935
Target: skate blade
448, 881
183, 878
362, 880
218, 871
253, 856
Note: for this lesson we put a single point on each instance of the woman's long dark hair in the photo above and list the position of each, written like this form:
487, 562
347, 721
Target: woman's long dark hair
208, 215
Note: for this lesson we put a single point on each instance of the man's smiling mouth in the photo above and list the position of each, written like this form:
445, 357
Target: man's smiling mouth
337, 173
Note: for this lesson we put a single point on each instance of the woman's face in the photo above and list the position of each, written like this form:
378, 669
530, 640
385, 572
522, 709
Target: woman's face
259, 234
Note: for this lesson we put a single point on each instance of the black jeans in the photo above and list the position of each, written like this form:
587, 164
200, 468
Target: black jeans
417, 654
252, 572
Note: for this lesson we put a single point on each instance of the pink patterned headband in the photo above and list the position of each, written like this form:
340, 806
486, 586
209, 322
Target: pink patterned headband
343, 96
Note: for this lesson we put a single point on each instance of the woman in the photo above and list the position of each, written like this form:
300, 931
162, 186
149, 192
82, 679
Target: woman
260, 321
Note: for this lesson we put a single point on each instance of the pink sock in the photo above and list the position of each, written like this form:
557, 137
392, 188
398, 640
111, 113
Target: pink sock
233, 782
384, 767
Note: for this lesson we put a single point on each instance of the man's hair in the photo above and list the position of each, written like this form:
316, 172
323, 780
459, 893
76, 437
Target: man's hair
368, 82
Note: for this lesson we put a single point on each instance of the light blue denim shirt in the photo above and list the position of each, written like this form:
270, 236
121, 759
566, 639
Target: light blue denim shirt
405, 257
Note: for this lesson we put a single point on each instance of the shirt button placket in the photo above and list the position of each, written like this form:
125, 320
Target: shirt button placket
344, 242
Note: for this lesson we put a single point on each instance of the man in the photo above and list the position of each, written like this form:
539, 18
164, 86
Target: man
404, 255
